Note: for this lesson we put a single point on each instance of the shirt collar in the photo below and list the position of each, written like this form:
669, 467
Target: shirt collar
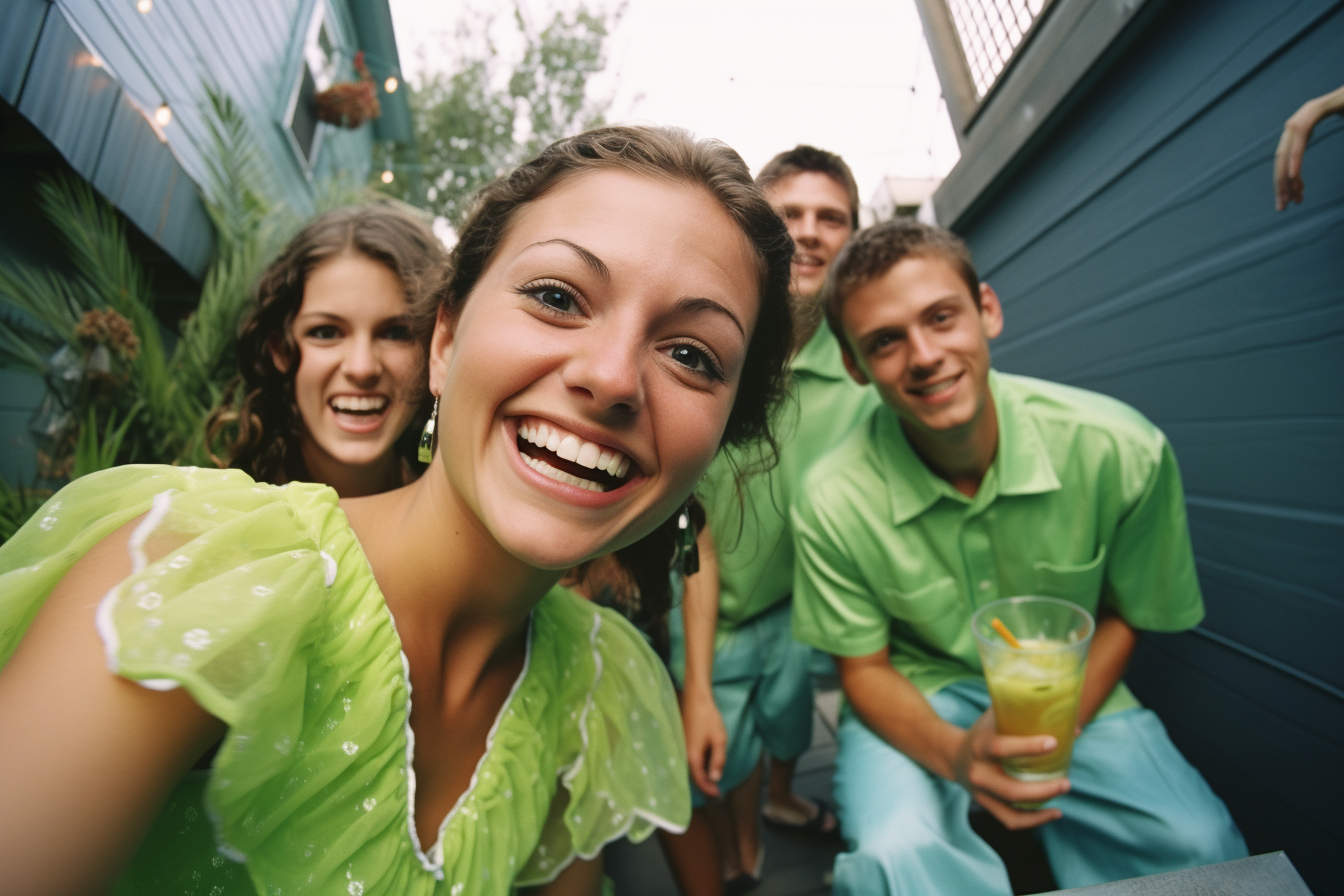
1021, 464
820, 356
1022, 460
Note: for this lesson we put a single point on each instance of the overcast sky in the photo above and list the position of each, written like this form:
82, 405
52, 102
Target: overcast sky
852, 76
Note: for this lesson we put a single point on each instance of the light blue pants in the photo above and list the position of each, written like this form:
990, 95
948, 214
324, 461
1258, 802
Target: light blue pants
762, 688
1136, 807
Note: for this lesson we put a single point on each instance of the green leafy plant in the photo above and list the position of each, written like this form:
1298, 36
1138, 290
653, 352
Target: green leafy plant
17, 505
115, 392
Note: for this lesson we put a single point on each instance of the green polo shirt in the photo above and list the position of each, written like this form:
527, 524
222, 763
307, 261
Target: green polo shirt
752, 535
1083, 502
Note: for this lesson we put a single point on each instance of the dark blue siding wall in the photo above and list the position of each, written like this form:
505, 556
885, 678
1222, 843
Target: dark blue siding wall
1138, 253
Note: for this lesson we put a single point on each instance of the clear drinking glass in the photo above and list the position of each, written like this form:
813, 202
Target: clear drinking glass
1035, 687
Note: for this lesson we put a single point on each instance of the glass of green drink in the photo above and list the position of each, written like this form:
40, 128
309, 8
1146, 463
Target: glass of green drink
1035, 683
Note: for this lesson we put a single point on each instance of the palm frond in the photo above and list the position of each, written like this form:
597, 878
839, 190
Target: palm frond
96, 242
237, 183
45, 295
24, 346
110, 274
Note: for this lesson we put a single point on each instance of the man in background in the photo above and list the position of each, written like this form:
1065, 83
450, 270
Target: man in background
747, 683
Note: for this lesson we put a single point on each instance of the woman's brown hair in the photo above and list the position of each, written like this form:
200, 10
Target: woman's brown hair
258, 419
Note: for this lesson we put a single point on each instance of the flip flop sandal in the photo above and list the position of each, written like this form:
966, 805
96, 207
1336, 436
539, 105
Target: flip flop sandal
814, 825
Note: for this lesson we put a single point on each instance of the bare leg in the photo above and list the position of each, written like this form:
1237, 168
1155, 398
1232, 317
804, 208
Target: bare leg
744, 807
694, 856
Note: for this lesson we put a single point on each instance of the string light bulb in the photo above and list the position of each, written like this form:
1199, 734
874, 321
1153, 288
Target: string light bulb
390, 85
144, 6
163, 115
387, 176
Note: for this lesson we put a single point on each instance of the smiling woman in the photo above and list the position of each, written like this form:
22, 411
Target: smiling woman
330, 375
615, 312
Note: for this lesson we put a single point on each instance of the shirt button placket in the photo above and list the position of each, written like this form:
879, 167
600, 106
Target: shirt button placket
978, 554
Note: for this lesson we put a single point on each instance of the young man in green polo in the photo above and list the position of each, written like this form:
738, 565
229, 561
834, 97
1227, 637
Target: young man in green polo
748, 687
965, 486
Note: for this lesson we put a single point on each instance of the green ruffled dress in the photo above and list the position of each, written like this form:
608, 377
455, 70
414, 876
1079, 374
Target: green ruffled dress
265, 609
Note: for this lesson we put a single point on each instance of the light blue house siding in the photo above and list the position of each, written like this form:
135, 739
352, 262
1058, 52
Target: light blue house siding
88, 75
1135, 245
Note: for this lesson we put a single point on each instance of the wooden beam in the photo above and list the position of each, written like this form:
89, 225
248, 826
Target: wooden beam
950, 61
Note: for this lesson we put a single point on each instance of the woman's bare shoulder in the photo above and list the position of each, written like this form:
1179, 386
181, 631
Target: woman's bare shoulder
88, 757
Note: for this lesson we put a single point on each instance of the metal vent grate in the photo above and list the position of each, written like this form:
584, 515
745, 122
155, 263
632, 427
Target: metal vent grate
990, 32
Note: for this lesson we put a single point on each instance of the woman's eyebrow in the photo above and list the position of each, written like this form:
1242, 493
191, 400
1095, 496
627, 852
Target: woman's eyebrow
598, 266
699, 303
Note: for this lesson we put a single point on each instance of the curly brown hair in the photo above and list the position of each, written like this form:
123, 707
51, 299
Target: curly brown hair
257, 419
666, 154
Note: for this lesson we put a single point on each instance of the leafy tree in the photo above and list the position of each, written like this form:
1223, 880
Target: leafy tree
469, 131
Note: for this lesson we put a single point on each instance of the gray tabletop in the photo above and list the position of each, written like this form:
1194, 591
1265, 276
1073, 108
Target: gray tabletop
1268, 875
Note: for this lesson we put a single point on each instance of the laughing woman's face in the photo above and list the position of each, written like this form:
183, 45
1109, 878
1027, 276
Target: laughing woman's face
586, 382
359, 364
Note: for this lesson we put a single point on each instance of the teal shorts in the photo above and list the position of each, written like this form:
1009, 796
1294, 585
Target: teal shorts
762, 687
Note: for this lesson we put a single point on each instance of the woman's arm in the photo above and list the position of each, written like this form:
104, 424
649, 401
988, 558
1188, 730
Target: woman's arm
706, 736
87, 758
1293, 145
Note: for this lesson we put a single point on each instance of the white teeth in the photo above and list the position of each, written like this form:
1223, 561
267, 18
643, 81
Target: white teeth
936, 388
546, 469
358, 402
587, 455
569, 447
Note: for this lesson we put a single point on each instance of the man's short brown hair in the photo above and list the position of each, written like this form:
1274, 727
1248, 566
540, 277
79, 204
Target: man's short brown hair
870, 253
808, 158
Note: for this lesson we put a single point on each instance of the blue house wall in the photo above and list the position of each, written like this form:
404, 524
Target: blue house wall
1136, 248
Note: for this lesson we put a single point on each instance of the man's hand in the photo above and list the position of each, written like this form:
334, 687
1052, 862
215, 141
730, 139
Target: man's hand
977, 767
1293, 144
706, 739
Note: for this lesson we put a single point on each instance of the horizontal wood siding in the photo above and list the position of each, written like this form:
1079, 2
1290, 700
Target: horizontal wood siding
1137, 252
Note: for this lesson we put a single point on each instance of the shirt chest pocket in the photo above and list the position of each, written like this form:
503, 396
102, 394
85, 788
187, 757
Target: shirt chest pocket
1080, 583
924, 607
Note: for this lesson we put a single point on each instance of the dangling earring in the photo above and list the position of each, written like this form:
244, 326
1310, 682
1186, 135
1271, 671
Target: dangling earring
426, 452
687, 550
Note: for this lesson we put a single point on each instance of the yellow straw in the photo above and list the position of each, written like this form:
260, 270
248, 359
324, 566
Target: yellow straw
1007, 635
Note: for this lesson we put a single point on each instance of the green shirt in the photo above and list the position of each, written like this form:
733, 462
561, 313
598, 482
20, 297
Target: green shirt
1083, 502
751, 535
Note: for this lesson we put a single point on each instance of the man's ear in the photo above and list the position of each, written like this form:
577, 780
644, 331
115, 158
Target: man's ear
991, 312
855, 372
441, 346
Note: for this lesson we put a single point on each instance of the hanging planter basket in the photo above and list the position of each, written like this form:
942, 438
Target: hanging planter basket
348, 104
